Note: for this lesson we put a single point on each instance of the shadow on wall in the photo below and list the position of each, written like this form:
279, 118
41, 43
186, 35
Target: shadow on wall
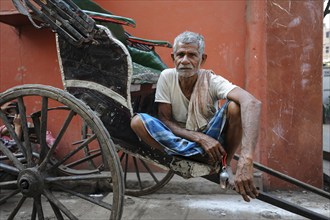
326, 94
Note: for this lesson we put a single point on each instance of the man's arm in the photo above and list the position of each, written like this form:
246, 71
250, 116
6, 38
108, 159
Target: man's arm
18, 125
211, 146
250, 117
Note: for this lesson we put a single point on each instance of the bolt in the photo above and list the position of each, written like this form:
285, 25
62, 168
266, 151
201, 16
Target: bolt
24, 184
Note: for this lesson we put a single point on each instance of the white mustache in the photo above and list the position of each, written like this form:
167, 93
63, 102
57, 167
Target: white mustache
185, 67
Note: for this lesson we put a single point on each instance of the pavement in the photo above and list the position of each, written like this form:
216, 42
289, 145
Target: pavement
200, 199
193, 199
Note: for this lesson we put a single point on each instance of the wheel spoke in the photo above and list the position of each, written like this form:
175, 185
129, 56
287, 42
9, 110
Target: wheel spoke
122, 156
87, 198
34, 212
57, 211
43, 129
25, 130
9, 195
103, 175
86, 148
18, 206
84, 130
58, 204
126, 167
85, 143
9, 169
149, 171
37, 205
57, 140
11, 156
77, 162
68, 171
137, 172
12, 133
8, 183
17, 155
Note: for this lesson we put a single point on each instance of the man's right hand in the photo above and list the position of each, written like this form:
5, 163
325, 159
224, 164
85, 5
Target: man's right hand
212, 147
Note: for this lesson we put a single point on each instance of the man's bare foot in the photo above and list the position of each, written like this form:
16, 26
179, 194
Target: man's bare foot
227, 178
231, 178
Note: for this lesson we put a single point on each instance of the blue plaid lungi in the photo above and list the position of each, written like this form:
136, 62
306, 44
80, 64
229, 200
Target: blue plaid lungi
174, 145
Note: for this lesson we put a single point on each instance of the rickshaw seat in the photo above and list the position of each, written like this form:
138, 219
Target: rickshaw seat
101, 75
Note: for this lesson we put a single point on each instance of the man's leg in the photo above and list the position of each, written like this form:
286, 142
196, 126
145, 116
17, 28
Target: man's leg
233, 130
139, 129
233, 137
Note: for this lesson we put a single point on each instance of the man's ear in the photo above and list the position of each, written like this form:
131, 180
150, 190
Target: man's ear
172, 55
204, 56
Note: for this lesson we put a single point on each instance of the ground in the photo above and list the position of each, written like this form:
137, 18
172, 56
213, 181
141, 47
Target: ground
191, 200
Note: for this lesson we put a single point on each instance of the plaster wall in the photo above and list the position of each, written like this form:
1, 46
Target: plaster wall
294, 89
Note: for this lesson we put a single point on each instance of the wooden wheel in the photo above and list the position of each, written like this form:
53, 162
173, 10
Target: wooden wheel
49, 171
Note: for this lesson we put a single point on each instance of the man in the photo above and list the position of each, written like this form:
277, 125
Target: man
11, 111
188, 120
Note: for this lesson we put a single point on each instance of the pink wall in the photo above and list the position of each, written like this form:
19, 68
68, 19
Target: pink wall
271, 48
28, 56
294, 88
221, 22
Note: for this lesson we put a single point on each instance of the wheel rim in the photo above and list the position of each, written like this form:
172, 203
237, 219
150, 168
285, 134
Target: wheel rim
142, 177
51, 169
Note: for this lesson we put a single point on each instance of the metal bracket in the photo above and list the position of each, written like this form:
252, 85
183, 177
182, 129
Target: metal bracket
62, 16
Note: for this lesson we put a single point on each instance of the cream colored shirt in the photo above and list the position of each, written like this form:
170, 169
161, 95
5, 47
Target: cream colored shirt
169, 91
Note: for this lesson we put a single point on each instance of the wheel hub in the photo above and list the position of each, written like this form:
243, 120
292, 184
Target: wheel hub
30, 182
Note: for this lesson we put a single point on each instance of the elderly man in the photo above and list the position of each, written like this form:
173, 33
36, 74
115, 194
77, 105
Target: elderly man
189, 121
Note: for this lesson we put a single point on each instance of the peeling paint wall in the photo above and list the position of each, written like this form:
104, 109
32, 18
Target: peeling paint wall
294, 85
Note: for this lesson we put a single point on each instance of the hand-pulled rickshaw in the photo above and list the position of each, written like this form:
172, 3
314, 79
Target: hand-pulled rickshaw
95, 156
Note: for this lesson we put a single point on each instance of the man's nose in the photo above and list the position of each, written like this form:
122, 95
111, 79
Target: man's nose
185, 59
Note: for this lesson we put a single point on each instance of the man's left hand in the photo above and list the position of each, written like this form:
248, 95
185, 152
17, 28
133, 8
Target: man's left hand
244, 179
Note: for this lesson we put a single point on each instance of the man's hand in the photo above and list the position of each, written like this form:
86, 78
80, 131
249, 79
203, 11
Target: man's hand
244, 179
17, 120
212, 147
18, 125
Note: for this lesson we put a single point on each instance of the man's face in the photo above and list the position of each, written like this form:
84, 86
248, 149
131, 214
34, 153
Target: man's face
10, 113
187, 59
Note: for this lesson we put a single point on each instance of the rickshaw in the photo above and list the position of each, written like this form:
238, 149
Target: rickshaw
95, 156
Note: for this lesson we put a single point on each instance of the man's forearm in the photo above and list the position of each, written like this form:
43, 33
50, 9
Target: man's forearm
250, 113
182, 132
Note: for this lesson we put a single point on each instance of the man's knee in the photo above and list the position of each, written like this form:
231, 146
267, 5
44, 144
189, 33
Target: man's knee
136, 123
234, 111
